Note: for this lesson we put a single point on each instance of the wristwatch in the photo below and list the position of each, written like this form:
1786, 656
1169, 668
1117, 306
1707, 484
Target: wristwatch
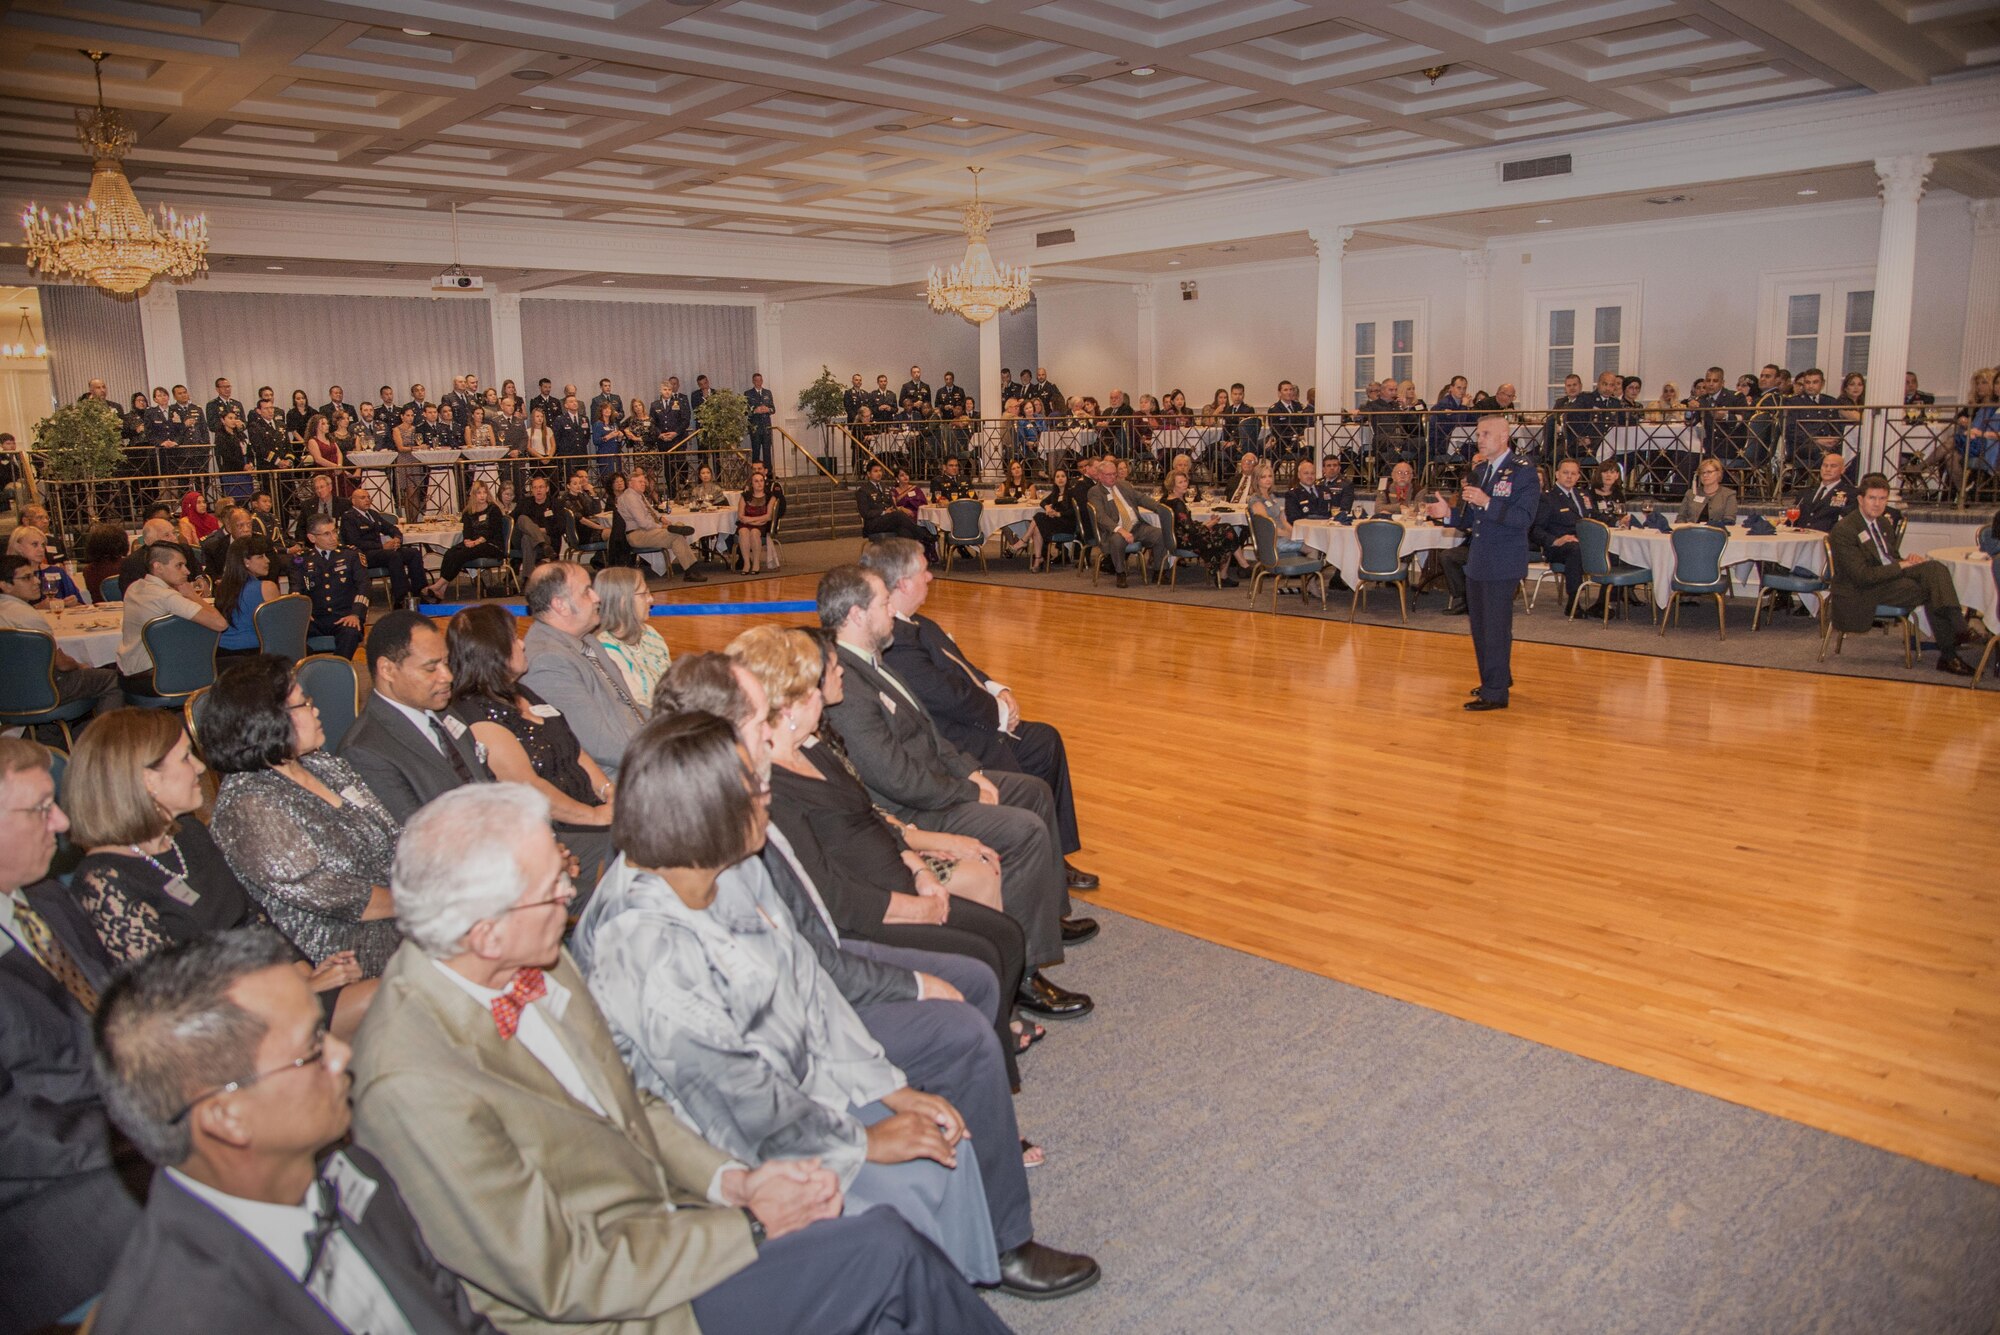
756, 1229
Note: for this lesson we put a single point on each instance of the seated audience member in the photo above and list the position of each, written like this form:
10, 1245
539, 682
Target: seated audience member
569, 670
1870, 570
1607, 496
647, 530
1124, 517
405, 746
1829, 500
334, 578
480, 527
197, 522
245, 585
756, 512
721, 1010
1554, 528
235, 526
324, 502
35, 515
1335, 485
972, 711
300, 828
54, 588
624, 606
1262, 500
705, 493
1397, 493
218, 1064
1246, 478
65, 1213
379, 539
951, 484
1813, 421
154, 531
627, 1217
74, 681
589, 519
1214, 543
538, 526
1306, 499
104, 549
1709, 501
1057, 517
912, 772
880, 513
523, 738
163, 592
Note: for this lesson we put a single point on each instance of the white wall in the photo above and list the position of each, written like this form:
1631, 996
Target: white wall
1253, 323
875, 336
1089, 337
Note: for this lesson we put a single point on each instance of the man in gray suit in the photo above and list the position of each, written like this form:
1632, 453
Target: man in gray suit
568, 669
916, 775
1123, 516
404, 745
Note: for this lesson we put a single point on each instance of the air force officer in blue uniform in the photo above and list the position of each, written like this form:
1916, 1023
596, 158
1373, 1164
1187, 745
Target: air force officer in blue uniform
1499, 504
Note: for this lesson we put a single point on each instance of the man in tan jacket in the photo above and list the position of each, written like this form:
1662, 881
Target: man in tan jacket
487, 1081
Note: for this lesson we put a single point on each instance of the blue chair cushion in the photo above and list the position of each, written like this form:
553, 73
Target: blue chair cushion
1884, 611
66, 712
321, 644
1794, 582
1624, 577
1312, 567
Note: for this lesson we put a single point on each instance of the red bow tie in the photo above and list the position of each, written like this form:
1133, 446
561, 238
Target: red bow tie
529, 986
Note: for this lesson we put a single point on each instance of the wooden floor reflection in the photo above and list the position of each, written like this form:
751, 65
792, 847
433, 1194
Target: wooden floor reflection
1778, 888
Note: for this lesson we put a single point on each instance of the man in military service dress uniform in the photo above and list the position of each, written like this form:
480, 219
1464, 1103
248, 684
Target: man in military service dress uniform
880, 514
672, 418
379, 539
331, 575
763, 410
1497, 507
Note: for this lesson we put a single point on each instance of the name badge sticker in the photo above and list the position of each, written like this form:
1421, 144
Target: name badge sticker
356, 1188
453, 726
545, 711
887, 703
352, 793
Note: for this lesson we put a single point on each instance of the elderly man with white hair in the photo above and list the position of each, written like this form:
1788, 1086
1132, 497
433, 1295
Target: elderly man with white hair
489, 1084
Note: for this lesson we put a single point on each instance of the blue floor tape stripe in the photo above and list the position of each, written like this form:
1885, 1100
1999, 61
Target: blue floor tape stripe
659, 609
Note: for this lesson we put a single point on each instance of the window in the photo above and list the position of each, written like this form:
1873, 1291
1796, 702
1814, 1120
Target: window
1385, 348
1584, 338
1801, 331
1364, 358
1854, 336
1817, 318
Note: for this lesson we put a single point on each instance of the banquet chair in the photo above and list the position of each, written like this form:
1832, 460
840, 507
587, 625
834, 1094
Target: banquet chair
1905, 619
1381, 543
332, 684
965, 536
112, 590
1530, 588
497, 564
282, 625
1595, 537
1788, 581
28, 695
1698, 573
183, 654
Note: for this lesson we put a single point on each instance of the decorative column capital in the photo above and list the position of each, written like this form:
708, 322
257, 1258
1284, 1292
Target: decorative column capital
160, 296
1478, 263
1143, 293
1330, 242
507, 305
774, 312
1902, 177
1985, 217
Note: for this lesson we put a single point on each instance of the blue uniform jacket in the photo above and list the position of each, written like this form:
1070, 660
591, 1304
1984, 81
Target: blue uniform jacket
1499, 533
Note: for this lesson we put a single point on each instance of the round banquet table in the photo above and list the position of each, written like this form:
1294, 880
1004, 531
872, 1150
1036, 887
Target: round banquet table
440, 492
992, 518
1342, 546
1972, 575
1655, 551
374, 466
481, 466
89, 634
1649, 437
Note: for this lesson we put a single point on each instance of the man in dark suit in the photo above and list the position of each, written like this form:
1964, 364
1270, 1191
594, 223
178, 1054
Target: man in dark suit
64, 1211
234, 526
699, 397
1813, 425
1554, 529
974, 712
243, 1226
763, 410
1307, 499
1870, 571
460, 400
404, 745
324, 502
918, 776
379, 539
1497, 508
550, 403
1289, 420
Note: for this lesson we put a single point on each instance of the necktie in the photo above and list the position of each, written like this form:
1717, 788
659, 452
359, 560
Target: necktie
1881, 548
458, 765
49, 952
529, 986
326, 1219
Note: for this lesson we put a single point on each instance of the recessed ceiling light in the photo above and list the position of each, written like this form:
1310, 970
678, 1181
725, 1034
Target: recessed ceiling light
1072, 78
417, 32
1144, 72
274, 268
536, 106
1543, 222
533, 75
743, 287
1808, 192
961, 120
606, 282
1173, 261
892, 126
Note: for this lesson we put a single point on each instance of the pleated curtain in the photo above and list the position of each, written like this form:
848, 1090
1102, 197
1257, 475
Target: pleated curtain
93, 335
304, 341
637, 345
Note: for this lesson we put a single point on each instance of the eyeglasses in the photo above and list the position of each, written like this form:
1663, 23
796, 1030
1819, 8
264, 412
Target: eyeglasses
42, 810
566, 893
305, 704
313, 1056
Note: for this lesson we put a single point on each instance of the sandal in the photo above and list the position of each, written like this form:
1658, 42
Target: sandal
1028, 1033
1032, 1155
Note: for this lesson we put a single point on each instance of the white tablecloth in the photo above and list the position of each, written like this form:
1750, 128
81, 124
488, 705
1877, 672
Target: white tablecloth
1972, 574
90, 634
374, 466
1342, 546
1648, 438
1655, 551
992, 518
443, 477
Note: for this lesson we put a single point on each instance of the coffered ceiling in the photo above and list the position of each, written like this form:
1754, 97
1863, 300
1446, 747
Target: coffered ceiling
855, 119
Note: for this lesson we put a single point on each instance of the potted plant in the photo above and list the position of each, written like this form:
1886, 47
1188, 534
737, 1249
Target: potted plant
724, 420
79, 441
822, 403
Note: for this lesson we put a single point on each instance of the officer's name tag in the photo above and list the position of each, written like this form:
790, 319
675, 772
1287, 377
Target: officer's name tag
545, 711
887, 703
453, 726
181, 892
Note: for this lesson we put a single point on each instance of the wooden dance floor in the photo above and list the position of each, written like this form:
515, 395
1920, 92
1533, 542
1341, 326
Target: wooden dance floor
1778, 888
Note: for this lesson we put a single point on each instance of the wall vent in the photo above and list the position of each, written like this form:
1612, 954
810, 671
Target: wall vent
1059, 238
1533, 169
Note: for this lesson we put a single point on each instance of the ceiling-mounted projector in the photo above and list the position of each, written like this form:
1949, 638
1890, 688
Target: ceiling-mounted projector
456, 279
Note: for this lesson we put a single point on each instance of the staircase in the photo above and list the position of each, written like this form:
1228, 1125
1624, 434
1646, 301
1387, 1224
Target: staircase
811, 501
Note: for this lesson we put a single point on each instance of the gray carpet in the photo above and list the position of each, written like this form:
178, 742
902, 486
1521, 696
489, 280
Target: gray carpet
1787, 642
1250, 1148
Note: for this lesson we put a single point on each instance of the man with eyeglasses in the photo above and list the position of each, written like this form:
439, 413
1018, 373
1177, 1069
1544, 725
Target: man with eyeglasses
64, 1211
215, 1059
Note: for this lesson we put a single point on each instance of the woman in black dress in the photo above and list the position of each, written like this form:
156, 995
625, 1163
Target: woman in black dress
1214, 543
1058, 515
479, 529
526, 739
298, 418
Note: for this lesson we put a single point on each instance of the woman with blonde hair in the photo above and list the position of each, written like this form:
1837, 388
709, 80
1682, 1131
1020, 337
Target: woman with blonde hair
624, 608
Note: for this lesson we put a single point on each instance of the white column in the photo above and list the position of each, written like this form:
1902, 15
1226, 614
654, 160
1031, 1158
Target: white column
1982, 300
1902, 179
1477, 265
509, 361
1330, 321
160, 328
1146, 362
989, 368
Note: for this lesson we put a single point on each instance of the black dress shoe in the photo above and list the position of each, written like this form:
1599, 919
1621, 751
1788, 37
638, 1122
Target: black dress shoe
1037, 1272
1454, 608
1482, 706
1078, 879
1228, 583
1039, 996
1476, 692
1076, 931
1121, 581
684, 530
1955, 667
689, 577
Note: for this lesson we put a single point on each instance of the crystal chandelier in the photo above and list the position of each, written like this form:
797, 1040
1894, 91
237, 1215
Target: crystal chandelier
111, 242
25, 344
976, 287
